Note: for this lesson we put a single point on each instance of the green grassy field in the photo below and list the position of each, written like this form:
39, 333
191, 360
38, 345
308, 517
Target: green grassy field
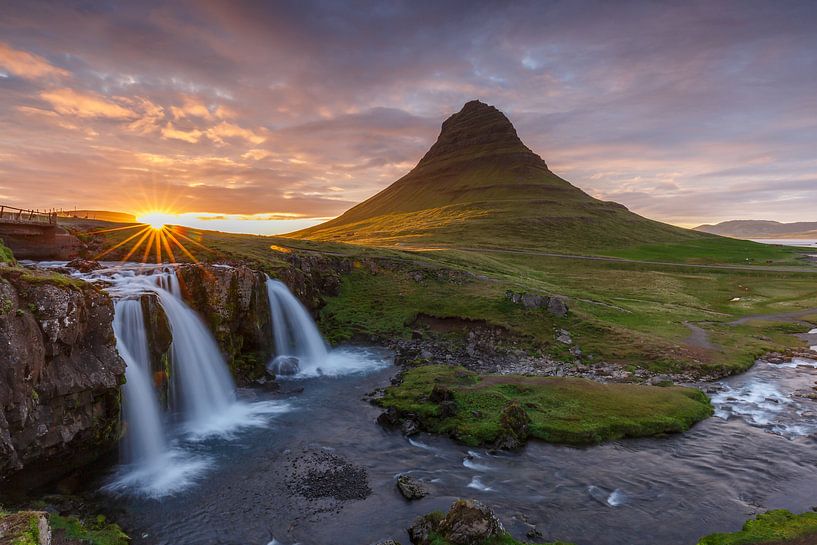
633, 313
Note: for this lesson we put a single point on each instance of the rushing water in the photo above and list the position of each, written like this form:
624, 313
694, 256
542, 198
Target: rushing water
660, 491
757, 453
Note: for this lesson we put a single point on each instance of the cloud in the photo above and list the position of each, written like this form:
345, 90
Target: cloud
67, 101
226, 130
192, 136
191, 107
685, 112
27, 65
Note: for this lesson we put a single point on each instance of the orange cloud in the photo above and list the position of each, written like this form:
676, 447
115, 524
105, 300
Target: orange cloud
67, 101
228, 130
27, 65
169, 131
191, 107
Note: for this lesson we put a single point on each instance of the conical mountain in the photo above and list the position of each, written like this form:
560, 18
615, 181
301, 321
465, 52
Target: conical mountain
479, 185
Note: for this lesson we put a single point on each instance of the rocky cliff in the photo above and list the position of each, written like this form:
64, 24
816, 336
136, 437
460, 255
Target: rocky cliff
59, 374
233, 302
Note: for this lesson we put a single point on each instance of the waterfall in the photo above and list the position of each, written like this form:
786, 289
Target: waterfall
294, 332
202, 388
145, 441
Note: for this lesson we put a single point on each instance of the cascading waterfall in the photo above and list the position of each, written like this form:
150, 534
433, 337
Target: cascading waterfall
145, 442
203, 394
294, 332
202, 387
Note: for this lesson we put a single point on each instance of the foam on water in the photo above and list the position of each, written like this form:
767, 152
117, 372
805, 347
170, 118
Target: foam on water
236, 417
175, 471
477, 484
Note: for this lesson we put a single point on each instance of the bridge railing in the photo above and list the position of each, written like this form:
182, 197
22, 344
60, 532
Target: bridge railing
22, 215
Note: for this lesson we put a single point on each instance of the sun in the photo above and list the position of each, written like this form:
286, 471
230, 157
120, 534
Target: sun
157, 220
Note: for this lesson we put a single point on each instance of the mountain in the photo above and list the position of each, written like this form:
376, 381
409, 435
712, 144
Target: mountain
479, 185
102, 215
762, 229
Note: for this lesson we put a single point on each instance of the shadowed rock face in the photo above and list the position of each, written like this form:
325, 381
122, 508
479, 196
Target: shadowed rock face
233, 302
59, 377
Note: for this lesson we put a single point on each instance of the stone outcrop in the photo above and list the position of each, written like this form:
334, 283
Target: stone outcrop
59, 374
554, 304
411, 488
468, 522
159, 339
233, 302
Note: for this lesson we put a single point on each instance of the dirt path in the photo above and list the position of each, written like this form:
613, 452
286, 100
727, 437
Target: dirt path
698, 337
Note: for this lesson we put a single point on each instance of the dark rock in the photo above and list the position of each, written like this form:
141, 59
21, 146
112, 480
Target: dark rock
411, 488
59, 378
440, 393
84, 265
420, 530
284, 365
515, 423
389, 418
533, 533
410, 427
388, 542
557, 305
470, 522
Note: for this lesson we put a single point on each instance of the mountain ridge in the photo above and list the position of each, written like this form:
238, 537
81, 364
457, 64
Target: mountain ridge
761, 229
479, 184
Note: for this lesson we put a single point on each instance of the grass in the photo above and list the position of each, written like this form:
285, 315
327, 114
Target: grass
560, 409
90, 532
629, 313
6, 256
775, 527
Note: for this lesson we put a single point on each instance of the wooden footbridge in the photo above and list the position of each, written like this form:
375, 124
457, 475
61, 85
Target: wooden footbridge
34, 234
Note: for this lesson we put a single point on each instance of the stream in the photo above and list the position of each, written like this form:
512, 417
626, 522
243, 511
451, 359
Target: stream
257, 481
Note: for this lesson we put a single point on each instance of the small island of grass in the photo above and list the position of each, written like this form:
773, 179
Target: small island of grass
507, 410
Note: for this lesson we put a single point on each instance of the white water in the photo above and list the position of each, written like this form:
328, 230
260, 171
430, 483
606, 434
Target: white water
294, 331
145, 441
202, 388
295, 334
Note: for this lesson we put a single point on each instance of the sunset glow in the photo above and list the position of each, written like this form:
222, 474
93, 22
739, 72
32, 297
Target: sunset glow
157, 220
709, 116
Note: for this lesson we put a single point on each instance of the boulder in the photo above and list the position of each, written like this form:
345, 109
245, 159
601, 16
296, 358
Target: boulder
515, 424
557, 305
284, 365
470, 522
25, 528
411, 488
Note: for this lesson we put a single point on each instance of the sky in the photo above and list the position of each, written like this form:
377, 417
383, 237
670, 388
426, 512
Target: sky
292, 112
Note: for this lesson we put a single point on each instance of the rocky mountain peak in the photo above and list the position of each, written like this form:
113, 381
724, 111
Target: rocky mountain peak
476, 130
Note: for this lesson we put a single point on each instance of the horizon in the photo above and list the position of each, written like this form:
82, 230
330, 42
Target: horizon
199, 108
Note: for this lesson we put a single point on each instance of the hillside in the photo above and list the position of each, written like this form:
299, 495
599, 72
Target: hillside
761, 229
101, 215
479, 185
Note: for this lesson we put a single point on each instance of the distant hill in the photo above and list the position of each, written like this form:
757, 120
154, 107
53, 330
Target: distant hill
762, 229
102, 215
479, 185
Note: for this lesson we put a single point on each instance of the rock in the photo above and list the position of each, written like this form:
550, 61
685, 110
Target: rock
533, 533
411, 488
284, 365
532, 300
59, 377
410, 427
470, 522
420, 530
19, 528
233, 301
557, 305
388, 542
440, 393
563, 336
659, 379
84, 265
515, 424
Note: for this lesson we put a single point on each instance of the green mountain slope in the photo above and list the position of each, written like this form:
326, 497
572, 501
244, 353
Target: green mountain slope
479, 185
